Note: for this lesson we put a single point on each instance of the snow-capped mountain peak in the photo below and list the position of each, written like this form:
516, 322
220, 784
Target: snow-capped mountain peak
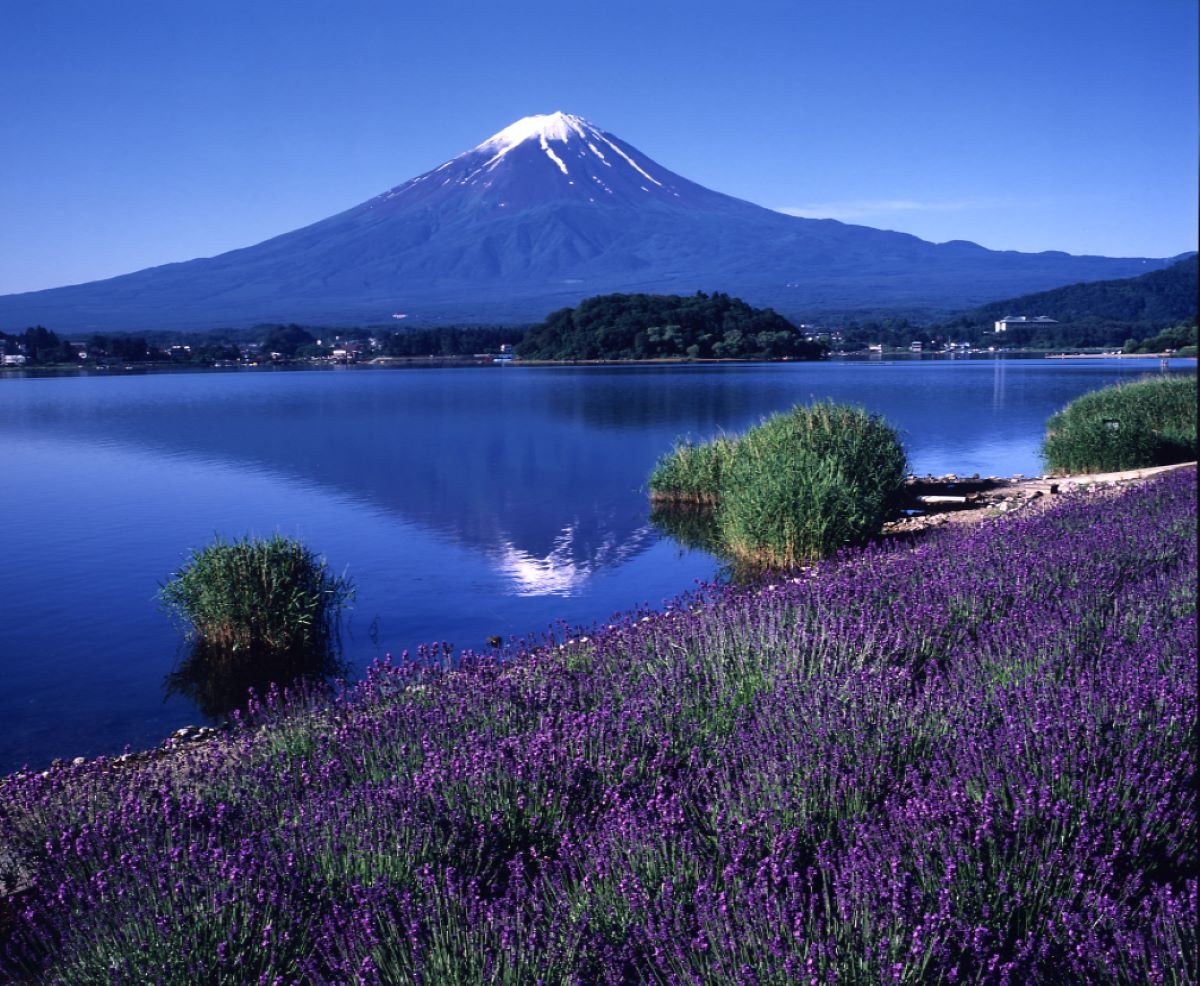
549, 210
583, 143
542, 127
547, 157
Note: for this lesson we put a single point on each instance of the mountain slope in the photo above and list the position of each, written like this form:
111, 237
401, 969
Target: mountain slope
1160, 297
549, 210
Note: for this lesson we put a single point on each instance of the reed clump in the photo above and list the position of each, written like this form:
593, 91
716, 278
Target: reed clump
1150, 422
797, 487
259, 599
691, 473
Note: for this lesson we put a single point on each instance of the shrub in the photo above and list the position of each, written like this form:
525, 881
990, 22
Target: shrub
1151, 422
806, 483
259, 599
691, 473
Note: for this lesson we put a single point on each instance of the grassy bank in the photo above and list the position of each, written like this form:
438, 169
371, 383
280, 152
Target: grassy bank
1149, 422
972, 761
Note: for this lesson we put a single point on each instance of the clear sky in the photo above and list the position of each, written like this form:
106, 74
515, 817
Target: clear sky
138, 133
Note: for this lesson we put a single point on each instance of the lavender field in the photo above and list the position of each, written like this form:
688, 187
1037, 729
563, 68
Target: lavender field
968, 760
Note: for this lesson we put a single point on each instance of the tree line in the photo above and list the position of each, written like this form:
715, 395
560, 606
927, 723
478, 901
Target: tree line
648, 326
42, 347
1095, 313
1127, 312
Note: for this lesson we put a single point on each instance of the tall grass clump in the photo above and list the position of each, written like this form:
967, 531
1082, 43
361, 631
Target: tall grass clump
1150, 422
255, 599
798, 486
691, 473
806, 483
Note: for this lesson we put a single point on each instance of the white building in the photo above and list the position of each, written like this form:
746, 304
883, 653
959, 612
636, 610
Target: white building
1017, 320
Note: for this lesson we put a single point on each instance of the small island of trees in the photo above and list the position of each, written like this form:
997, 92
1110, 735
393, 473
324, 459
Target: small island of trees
653, 326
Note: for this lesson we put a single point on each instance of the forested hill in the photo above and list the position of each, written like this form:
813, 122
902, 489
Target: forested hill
655, 326
1138, 306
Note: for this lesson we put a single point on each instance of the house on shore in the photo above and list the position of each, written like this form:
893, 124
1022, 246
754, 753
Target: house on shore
1015, 321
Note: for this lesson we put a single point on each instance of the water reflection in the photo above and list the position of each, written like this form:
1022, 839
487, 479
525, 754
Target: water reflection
571, 562
465, 503
492, 465
693, 527
217, 684
540, 471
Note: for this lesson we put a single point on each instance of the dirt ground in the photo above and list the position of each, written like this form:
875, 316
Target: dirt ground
932, 501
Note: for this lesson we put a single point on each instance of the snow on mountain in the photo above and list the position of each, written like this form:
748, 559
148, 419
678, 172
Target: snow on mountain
580, 140
547, 211
559, 156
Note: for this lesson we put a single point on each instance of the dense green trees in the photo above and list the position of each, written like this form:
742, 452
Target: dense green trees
449, 340
286, 340
1097, 313
39, 346
649, 326
1153, 312
1176, 337
126, 349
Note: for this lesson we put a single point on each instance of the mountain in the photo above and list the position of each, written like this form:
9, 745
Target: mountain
546, 212
1156, 299
1097, 313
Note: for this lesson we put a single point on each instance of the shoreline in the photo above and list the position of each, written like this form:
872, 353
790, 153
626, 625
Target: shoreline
178, 757
972, 500
457, 362
965, 500
180, 762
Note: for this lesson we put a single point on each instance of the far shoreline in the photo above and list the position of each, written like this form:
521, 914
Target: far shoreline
466, 362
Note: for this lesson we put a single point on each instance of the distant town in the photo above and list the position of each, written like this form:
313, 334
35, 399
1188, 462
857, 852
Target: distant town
293, 345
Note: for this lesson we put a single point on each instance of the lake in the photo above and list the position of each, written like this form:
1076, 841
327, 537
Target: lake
464, 503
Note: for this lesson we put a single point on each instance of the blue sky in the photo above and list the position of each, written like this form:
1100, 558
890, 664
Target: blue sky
138, 133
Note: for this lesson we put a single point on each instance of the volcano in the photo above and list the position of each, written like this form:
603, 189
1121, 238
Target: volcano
548, 211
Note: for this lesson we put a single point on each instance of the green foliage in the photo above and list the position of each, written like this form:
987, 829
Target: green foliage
258, 599
806, 483
798, 486
1177, 337
648, 326
123, 348
1151, 422
286, 340
691, 473
39, 346
450, 340
1094, 313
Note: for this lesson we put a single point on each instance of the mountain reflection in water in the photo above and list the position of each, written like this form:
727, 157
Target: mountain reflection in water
570, 563
466, 504
520, 472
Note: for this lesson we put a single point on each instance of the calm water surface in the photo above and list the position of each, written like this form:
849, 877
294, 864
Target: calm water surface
464, 503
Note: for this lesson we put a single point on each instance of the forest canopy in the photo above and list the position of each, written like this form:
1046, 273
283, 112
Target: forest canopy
656, 326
